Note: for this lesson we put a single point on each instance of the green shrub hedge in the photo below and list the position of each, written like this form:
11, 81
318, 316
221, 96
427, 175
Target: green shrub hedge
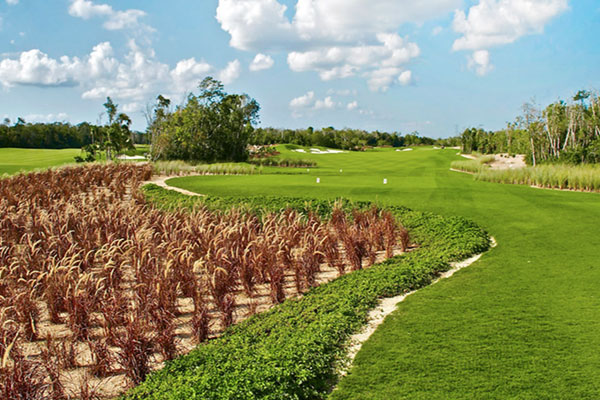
292, 351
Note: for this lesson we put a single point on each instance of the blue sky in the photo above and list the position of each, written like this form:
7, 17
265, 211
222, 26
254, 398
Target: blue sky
434, 66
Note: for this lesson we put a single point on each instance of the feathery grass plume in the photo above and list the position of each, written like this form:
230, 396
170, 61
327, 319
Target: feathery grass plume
27, 312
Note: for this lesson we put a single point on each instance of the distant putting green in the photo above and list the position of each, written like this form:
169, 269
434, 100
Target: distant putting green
523, 322
15, 160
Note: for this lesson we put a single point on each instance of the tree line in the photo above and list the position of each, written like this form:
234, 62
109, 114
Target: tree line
567, 132
56, 135
345, 139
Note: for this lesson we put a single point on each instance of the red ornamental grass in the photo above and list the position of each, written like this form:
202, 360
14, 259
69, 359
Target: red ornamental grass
23, 379
404, 239
136, 346
390, 231
166, 339
102, 358
51, 366
200, 322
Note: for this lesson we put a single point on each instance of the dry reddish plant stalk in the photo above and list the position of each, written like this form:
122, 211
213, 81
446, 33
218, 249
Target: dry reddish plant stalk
102, 358
136, 346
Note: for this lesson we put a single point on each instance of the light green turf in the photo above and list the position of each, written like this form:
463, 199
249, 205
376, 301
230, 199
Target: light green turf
14, 160
522, 323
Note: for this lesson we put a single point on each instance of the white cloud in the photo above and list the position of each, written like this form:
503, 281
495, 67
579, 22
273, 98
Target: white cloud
187, 74
114, 19
405, 78
231, 72
36, 68
61, 117
437, 30
499, 22
333, 38
380, 63
304, 101
308, 103
132, 107
262, 24
134, 80
255, 24
326, 103
261, 62
12, 2
480, 62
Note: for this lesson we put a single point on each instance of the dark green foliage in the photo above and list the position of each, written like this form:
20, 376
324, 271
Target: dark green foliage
213, 126
56, 135
347, 139
283, 162
291, 351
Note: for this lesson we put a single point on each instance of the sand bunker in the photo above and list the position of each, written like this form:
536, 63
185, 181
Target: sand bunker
318, 151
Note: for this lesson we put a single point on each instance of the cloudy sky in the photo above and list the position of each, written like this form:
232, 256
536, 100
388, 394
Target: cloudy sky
435, 66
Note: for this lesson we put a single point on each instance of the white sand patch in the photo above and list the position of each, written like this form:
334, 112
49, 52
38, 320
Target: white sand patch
404, 149
505, 161
318, 151
502, 161
124, 157
388, 305
328, 151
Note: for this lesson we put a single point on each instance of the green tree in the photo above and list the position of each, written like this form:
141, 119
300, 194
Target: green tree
212, 126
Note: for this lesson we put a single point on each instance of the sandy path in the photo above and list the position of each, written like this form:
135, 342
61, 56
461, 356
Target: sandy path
162, 182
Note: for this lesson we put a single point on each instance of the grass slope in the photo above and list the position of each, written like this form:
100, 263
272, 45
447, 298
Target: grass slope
13, 160
524, 322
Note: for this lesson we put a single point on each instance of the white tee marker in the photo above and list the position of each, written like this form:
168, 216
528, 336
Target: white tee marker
385, 181
318, 180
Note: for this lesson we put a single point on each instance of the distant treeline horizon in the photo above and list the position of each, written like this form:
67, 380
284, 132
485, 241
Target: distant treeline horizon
53, 135
63, 135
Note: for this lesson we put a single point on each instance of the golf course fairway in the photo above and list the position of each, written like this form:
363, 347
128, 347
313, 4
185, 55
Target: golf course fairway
521, 323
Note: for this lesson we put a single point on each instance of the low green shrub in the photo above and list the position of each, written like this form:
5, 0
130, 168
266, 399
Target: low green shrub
556, 176
292, 351
182, 168
284, 162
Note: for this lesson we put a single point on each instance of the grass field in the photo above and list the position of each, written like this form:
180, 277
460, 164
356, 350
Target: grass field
524, 322
14, 160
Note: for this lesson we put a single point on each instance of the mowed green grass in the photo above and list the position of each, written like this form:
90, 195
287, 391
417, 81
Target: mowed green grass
521, 323
14, 160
